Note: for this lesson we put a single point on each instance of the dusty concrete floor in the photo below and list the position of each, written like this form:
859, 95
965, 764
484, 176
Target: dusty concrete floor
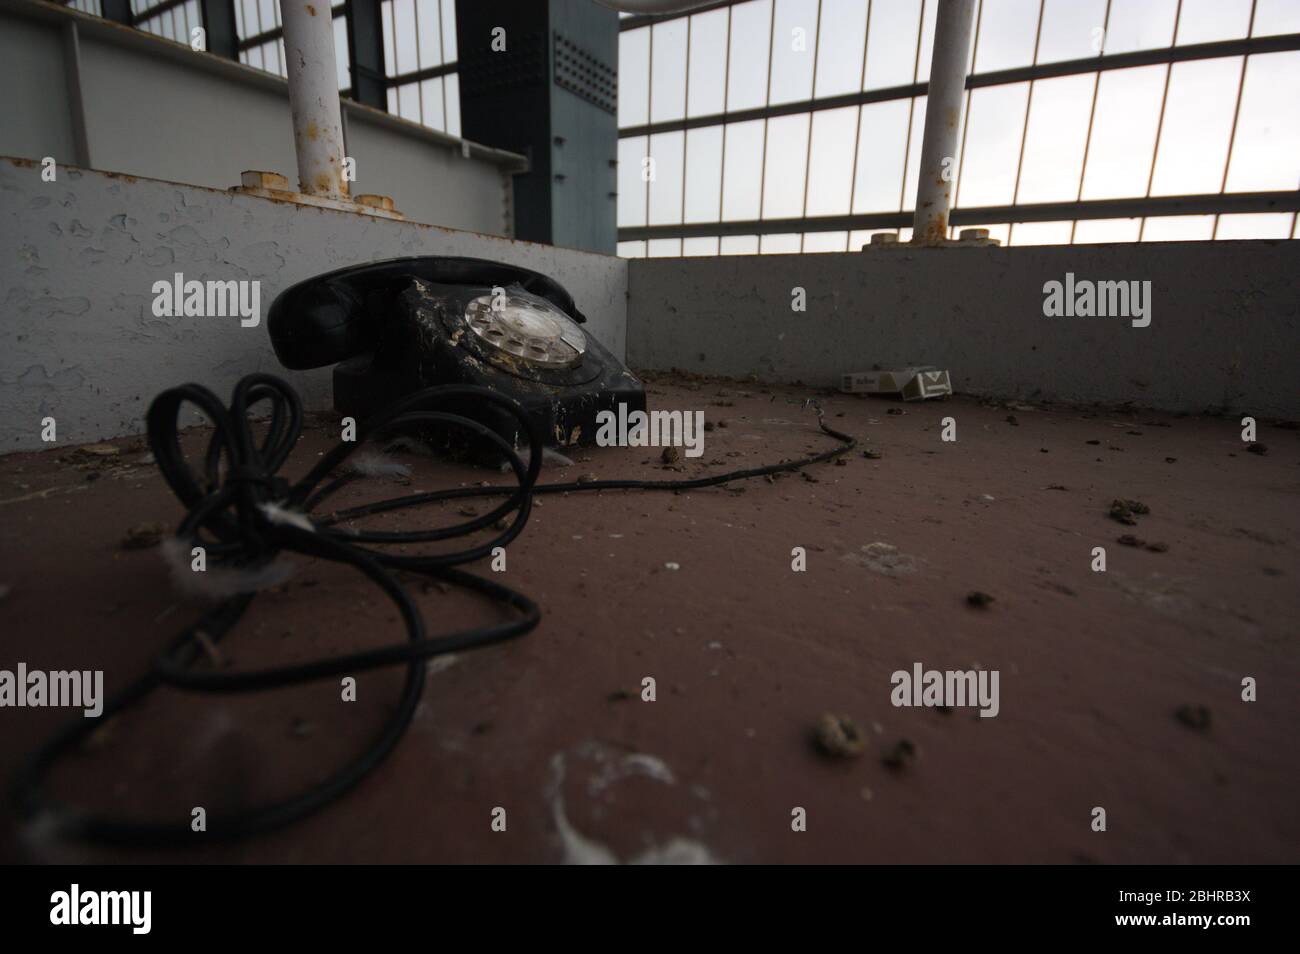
746, 653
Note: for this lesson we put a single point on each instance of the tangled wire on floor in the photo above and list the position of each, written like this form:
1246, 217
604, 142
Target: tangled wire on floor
244, 515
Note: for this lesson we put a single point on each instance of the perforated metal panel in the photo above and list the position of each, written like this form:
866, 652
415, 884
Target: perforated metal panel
584, 74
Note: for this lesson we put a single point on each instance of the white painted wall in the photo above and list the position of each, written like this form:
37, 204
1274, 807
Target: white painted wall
156, 108
79, 257
1224, 331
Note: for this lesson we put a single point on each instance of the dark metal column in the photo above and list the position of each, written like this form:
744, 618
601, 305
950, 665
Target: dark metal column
219, 25
551, 94
366, 52
119, 11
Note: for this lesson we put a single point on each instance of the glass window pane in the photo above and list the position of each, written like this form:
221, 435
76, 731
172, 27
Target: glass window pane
1140, 25
825, 241
668, 71
1058, 128
431, 100
1070, 29
830, 175
738, 245
1276, 16
708, 64
666, 185
914, 152
452, 86
404, 35
631, 249
878, 180
840, 45
251, 27
1178, 228
408, 102
793, 50
703, 174
1266, 152
634, 77
1204, 21
891, 44
930, 9
751, 25
786, 243
631, 187
429, 40
1123, 132
1007, 31
786, 154
742, 170
1264, 225
1198, 120
664, 248
700, 246
448, 30
266, 10
1040, 233
1094, 231
988, 165
341, 52
390, 57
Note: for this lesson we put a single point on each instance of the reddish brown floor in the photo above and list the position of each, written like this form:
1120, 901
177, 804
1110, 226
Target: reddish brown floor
746, 653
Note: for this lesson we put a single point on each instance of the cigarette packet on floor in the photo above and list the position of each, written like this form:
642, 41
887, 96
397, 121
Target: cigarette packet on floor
912, 384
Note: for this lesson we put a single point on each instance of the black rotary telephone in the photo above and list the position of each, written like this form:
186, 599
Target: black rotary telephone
398, 326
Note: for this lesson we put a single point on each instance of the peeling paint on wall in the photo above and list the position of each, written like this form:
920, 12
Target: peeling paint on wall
78, 337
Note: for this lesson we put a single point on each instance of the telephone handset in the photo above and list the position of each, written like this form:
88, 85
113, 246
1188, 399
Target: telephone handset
405, 324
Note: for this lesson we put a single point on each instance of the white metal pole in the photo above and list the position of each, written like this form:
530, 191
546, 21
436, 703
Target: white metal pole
943, 108
314, 96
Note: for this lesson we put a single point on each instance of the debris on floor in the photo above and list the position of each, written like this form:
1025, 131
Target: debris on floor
1196, 718
901, 756
1129, 540
838, 737
1124, 511
883, 558
143, 535
978, 599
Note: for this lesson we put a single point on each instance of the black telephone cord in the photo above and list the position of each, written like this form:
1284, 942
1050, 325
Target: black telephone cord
247, 514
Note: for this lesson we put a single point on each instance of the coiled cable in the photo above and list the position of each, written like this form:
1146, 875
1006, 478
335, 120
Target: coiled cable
244, 514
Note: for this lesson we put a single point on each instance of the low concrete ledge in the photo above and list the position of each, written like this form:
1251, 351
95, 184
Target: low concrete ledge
79, 257
1224, 332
